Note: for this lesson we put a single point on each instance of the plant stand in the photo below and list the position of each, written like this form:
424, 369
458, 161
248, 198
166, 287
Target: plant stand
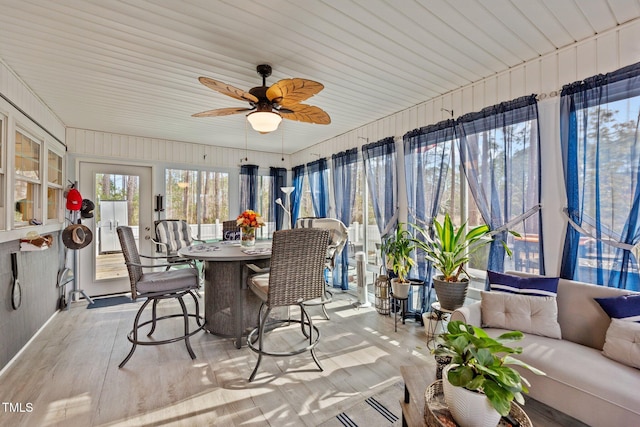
441, 316
403, 307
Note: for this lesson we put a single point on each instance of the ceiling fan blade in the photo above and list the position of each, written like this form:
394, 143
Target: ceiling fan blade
306, 113
222, 112
289, 92
228, 90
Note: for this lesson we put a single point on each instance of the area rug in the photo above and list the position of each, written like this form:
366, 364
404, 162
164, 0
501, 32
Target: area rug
109, 302
381, 409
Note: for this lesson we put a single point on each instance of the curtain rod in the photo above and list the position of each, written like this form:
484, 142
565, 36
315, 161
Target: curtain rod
541, 96
33, 120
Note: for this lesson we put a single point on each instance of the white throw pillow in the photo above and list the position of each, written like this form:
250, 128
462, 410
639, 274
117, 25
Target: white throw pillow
531, 314
622, 342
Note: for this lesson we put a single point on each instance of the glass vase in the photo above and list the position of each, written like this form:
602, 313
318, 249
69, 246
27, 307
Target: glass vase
248, 237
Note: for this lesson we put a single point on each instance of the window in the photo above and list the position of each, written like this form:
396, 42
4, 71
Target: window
499, 152
214, 196
363, 228
28, 181
599, 120
199, 197
182, 195
306, 204
265, 208
459, 203
54, 186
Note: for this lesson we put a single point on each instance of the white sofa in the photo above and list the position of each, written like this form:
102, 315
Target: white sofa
580, 380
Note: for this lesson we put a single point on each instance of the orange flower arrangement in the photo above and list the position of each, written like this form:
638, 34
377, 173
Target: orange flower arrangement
249, 219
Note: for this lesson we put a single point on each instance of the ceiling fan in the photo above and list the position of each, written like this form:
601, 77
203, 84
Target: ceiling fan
269, 105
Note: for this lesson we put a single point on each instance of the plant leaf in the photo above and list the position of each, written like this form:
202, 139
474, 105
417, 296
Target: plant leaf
500, 398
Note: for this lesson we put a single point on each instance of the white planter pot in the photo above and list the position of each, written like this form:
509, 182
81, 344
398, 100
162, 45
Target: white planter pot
468, 408
400, 290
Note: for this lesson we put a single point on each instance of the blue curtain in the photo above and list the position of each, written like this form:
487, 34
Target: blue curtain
279, 179
248, 187
427, 155
380, 167
296, 196
345, 165
500, 154
599, 119
318, 173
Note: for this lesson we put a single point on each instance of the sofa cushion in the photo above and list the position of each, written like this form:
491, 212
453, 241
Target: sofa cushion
626, 307
537, 286
581, 318
622, 342
579, 381
525, 313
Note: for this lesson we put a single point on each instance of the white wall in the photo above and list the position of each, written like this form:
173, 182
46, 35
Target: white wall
103, 145
14, 89
544, 76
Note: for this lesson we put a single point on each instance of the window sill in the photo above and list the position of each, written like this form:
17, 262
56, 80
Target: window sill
17, 234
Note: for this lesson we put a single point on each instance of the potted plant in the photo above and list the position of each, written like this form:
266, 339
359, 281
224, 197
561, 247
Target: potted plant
480, 370
448, 249
396, 250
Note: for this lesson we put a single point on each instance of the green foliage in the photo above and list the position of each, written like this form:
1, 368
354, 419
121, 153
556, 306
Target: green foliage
448, 248
483, 363
396, 249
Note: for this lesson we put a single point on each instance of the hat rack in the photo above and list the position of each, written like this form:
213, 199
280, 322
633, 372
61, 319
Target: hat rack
74, 217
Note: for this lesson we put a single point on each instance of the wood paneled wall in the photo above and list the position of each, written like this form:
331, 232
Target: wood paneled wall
545, 75
85, 143
20, 95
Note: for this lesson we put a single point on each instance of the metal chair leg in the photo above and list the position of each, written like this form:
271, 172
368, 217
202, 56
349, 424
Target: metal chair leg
313, 349
186, 328
134, 334
153, 317
197, 304
261, 326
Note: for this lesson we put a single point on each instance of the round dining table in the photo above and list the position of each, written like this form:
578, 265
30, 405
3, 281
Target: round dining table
231, 308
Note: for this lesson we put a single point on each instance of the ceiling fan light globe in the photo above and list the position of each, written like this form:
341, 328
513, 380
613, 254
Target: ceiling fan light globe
264, 121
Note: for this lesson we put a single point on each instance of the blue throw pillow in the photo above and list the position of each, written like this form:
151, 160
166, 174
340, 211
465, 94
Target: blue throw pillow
624, 307
535, 286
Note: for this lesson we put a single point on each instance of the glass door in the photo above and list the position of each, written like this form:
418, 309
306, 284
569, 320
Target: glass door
122, 197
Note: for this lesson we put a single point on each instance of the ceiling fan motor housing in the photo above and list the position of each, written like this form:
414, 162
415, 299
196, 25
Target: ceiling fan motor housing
264, 70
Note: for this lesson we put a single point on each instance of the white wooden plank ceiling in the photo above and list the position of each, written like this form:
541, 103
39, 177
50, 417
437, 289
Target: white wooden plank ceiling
131, 66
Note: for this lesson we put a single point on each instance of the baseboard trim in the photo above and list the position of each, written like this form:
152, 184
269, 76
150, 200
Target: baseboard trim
24, 347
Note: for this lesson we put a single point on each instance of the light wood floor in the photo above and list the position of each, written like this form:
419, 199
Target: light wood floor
69, 374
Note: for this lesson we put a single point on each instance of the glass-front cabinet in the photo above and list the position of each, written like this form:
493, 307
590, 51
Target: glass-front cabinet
27, 181
54, 186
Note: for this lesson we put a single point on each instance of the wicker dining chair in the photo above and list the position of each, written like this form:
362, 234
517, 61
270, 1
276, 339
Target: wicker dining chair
296, 275
230, 230
171, 236
156, 286
338, 235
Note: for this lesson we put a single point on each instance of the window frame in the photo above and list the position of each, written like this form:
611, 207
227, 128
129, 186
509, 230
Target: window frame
57, 187
37, 183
